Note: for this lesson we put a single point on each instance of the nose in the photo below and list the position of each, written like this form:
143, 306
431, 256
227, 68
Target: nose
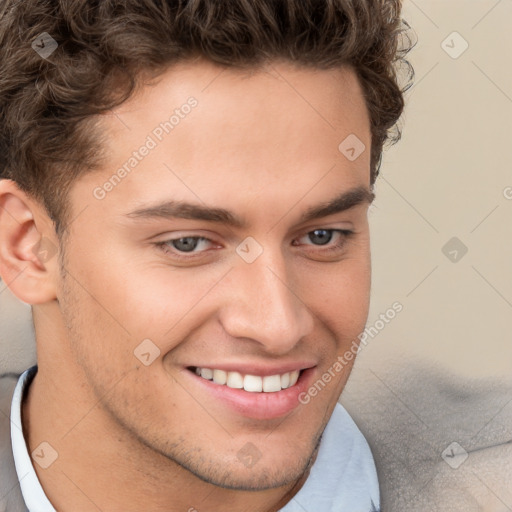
263, 305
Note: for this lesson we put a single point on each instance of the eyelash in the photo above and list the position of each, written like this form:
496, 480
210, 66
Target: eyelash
165, 247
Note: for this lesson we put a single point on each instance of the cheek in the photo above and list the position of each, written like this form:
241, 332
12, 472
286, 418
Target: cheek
148, 301
159, 301
133, 293
343, 299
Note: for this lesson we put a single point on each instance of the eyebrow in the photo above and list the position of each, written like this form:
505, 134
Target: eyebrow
194, 211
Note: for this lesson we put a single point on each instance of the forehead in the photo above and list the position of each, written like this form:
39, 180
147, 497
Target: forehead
213, 130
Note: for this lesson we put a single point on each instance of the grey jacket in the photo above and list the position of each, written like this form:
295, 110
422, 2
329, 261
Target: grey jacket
11, 499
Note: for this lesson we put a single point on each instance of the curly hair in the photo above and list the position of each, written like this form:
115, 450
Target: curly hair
49, 106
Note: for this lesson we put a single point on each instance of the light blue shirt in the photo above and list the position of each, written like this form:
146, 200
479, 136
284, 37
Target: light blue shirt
31, 489
342, 479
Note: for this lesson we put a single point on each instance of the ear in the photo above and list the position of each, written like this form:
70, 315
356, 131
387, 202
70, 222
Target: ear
28, 246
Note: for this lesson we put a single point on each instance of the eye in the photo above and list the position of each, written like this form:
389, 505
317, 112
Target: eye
322, 237
185, 244
188, 247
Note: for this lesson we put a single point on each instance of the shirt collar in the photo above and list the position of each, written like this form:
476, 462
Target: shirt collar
31, 490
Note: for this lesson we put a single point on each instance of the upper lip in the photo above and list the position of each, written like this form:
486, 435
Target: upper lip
258, 368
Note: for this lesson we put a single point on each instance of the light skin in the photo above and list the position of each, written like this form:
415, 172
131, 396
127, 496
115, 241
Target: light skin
131, 437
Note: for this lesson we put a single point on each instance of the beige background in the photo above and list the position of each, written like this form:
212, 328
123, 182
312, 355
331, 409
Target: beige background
441, 371
446, 178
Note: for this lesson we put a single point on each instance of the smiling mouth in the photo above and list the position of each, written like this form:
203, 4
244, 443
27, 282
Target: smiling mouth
251, 383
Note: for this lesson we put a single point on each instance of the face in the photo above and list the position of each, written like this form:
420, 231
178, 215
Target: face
252, 277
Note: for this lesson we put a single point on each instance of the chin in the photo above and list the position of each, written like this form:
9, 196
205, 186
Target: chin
240, 478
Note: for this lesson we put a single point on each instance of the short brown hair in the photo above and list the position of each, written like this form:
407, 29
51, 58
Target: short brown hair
47, 106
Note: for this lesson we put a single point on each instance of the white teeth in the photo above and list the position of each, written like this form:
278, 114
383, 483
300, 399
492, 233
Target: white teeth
271, 383
235, 380
220, 376
251, 383
207, 373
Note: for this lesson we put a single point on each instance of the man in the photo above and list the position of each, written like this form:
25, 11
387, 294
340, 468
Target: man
184, 205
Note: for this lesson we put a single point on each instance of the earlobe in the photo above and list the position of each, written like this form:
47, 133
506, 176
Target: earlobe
28, 247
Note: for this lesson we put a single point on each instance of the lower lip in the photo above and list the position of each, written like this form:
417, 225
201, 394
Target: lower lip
261, 406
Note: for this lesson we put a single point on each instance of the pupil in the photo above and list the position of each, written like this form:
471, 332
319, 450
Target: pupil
186, 244
322, 235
